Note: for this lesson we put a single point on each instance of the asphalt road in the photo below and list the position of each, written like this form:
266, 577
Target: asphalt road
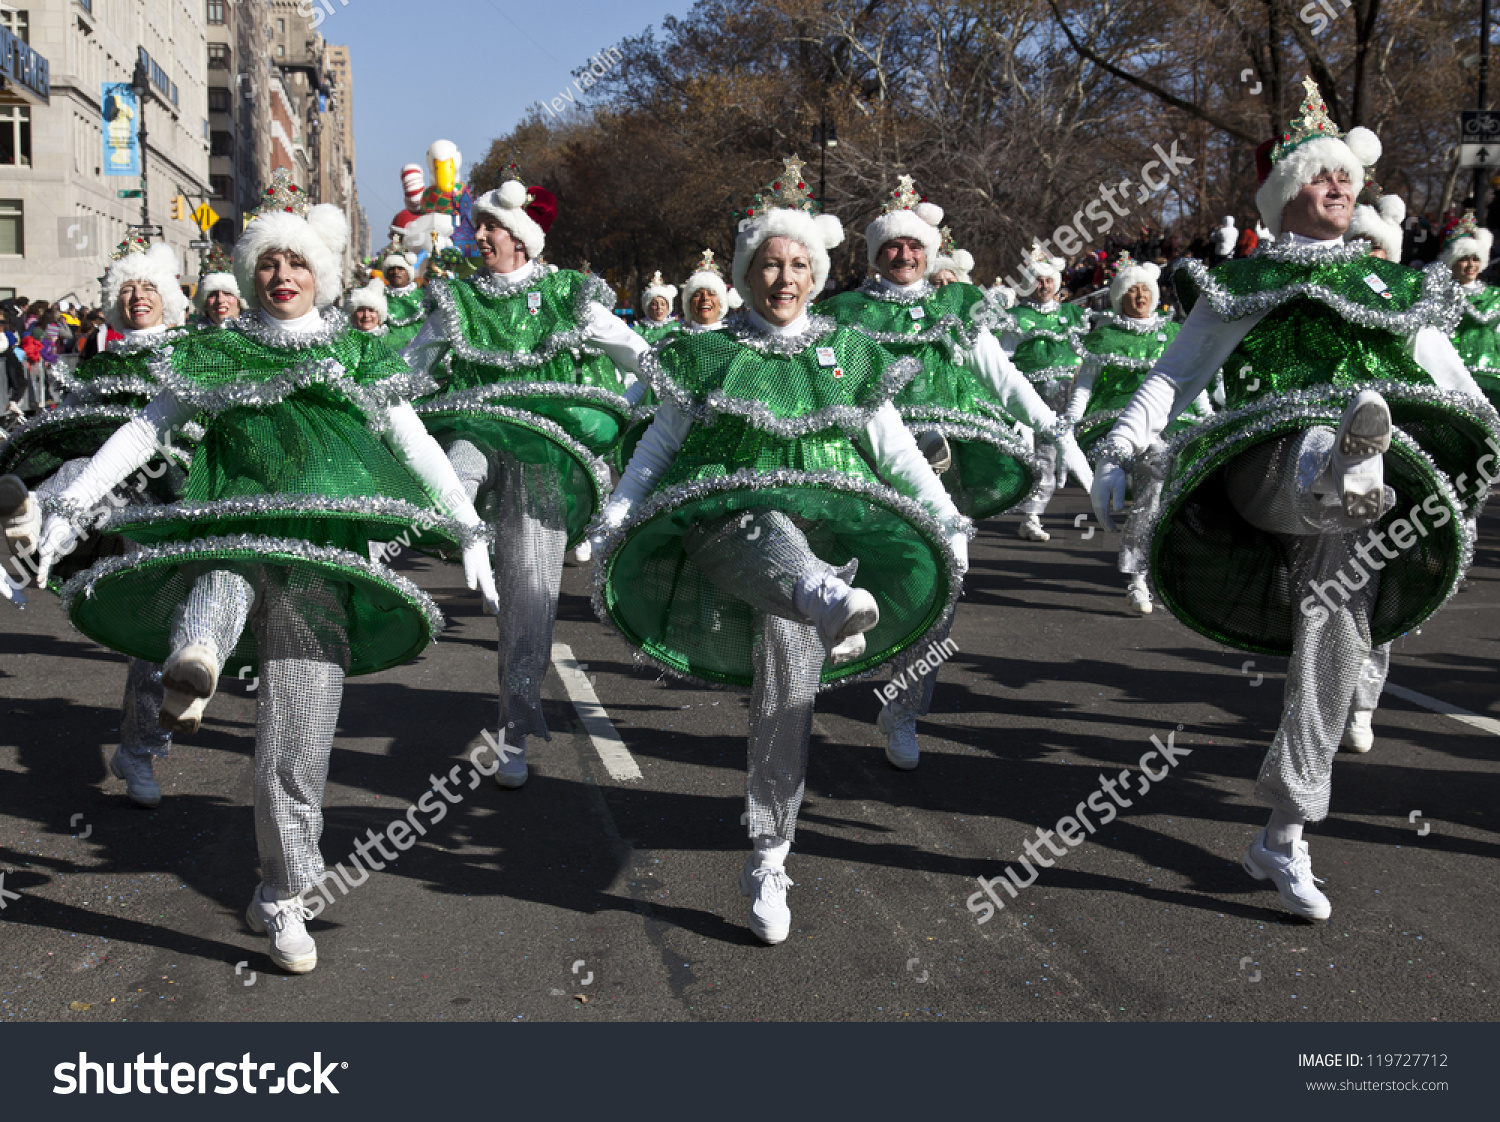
585, 898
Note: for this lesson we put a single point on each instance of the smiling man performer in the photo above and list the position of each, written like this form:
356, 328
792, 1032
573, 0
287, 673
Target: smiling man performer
1351, 422
777, 467
968, 408
406, 303
527, 358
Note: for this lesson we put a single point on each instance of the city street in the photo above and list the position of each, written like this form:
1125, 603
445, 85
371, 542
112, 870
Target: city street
584, 896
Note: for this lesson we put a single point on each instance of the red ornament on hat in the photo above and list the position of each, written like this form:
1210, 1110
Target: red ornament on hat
541, 206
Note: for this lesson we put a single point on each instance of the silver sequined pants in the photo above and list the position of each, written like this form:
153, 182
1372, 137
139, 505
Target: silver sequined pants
788, 654
531, 538
1271, 486
301, 632
1147, 478
916, 695
1050, 472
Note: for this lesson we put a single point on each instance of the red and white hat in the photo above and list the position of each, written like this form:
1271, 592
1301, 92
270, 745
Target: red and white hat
527, 212
1310, 146
906, 215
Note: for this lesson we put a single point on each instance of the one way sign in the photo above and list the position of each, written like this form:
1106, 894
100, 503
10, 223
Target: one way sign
1479, 155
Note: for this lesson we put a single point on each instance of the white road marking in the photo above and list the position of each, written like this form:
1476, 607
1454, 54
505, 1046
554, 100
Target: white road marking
615, 756
1463, 716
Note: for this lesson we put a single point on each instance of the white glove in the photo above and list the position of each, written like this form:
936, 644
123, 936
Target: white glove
479, 573
1077, 463
58, 540
635, 393
614, 515
959, 541
1108, 493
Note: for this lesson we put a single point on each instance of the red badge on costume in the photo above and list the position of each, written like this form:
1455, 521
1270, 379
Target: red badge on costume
533, 303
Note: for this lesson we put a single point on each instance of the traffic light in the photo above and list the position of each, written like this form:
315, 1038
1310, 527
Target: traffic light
179, 207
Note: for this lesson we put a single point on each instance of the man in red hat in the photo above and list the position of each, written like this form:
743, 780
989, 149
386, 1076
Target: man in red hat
526, 356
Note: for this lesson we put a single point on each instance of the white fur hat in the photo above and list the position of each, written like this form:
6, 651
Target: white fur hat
318, 238
658, 287
1310, 147
158, 265
526, 212
960, 262
786, 213
1128, 274
216, 282
1044, 265
1380, 224
906, 215
1467, 239
395, 260
371, 295
707, 275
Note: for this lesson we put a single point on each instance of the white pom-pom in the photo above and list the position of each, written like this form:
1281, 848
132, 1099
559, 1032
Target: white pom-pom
163, 257
832, 231
734, 299
512, 194
1392, 208
1364, 144
930, 213
330, 225
964, 260
1151, 269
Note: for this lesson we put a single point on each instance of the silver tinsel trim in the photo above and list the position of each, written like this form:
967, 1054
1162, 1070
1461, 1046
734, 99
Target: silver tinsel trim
1151, 324
1441, 304
151, 343
293, 505
380, 331
63, 414
1050, 374
450, 324
748, 480
257, 546
876, 290
1296, 253
417, 317
998, 429
1106, 358
250, 325
748, 334
846, 417
1486, 319
404, 290
461, 401
1112, 450
112, 386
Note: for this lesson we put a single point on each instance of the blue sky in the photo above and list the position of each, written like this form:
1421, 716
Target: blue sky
462, 70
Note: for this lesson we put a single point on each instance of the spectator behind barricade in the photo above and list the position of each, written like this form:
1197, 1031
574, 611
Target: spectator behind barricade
100, 335
1249, 239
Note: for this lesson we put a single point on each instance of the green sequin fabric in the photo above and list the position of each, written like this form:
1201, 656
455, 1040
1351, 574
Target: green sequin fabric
1327, 333
654, 334
773, 424
1044, 342
292, 467
1125, 350
406, 312
1478, 341
993, 468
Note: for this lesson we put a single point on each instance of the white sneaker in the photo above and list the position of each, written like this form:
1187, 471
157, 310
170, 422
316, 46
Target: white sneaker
1138, 600
181, 712
770, 918
1293, 877
1364, 436
513, 771
292, 948
1031, 530
20, 517
1358, 736
899, 725
139, 773
13, 495
189, 678
934, 446
839, 611
849, 650
584, 553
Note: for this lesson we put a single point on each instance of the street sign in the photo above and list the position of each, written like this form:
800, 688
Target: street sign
1479, 155
132, 193
1478, 126
205, 217
148, 231
200, 244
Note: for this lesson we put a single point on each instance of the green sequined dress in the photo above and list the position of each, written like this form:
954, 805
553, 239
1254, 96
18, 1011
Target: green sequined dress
993, 466
1124, 350
1478, 338
1042, 347
773, 421
518, 376
291, 472
656, 333
1336, 321
406, 311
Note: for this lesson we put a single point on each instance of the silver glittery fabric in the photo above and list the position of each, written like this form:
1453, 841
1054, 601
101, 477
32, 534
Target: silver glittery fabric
1271, 488
1146, 481
788, 654
916, 695
301, 629
141, 733
1050, 472
214, 613
1372, 677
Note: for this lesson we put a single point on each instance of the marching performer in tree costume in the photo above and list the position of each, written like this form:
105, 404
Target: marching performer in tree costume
1117, 355
143, 300
218, 296
1466, 251
311, 452
656, 304
1041, 341
368, 311
777, 528
952, 265
527, 357
1351, 423
963, 406
406, 303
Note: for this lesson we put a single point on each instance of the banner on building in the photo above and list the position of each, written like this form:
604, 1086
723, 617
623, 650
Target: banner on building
122, 129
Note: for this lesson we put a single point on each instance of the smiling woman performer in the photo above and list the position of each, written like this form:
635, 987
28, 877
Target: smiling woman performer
1466, 250
310, 453
728, 549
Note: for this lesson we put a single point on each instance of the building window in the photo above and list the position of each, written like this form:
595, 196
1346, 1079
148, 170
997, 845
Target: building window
15, 136
218, 56
281, 27
216, 12
221, 185
280, 51
224, 231
12, 229
221, 144
17, 23
219, 100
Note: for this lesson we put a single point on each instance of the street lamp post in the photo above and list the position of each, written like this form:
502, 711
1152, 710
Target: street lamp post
141, 84
1481, 180
825, 136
